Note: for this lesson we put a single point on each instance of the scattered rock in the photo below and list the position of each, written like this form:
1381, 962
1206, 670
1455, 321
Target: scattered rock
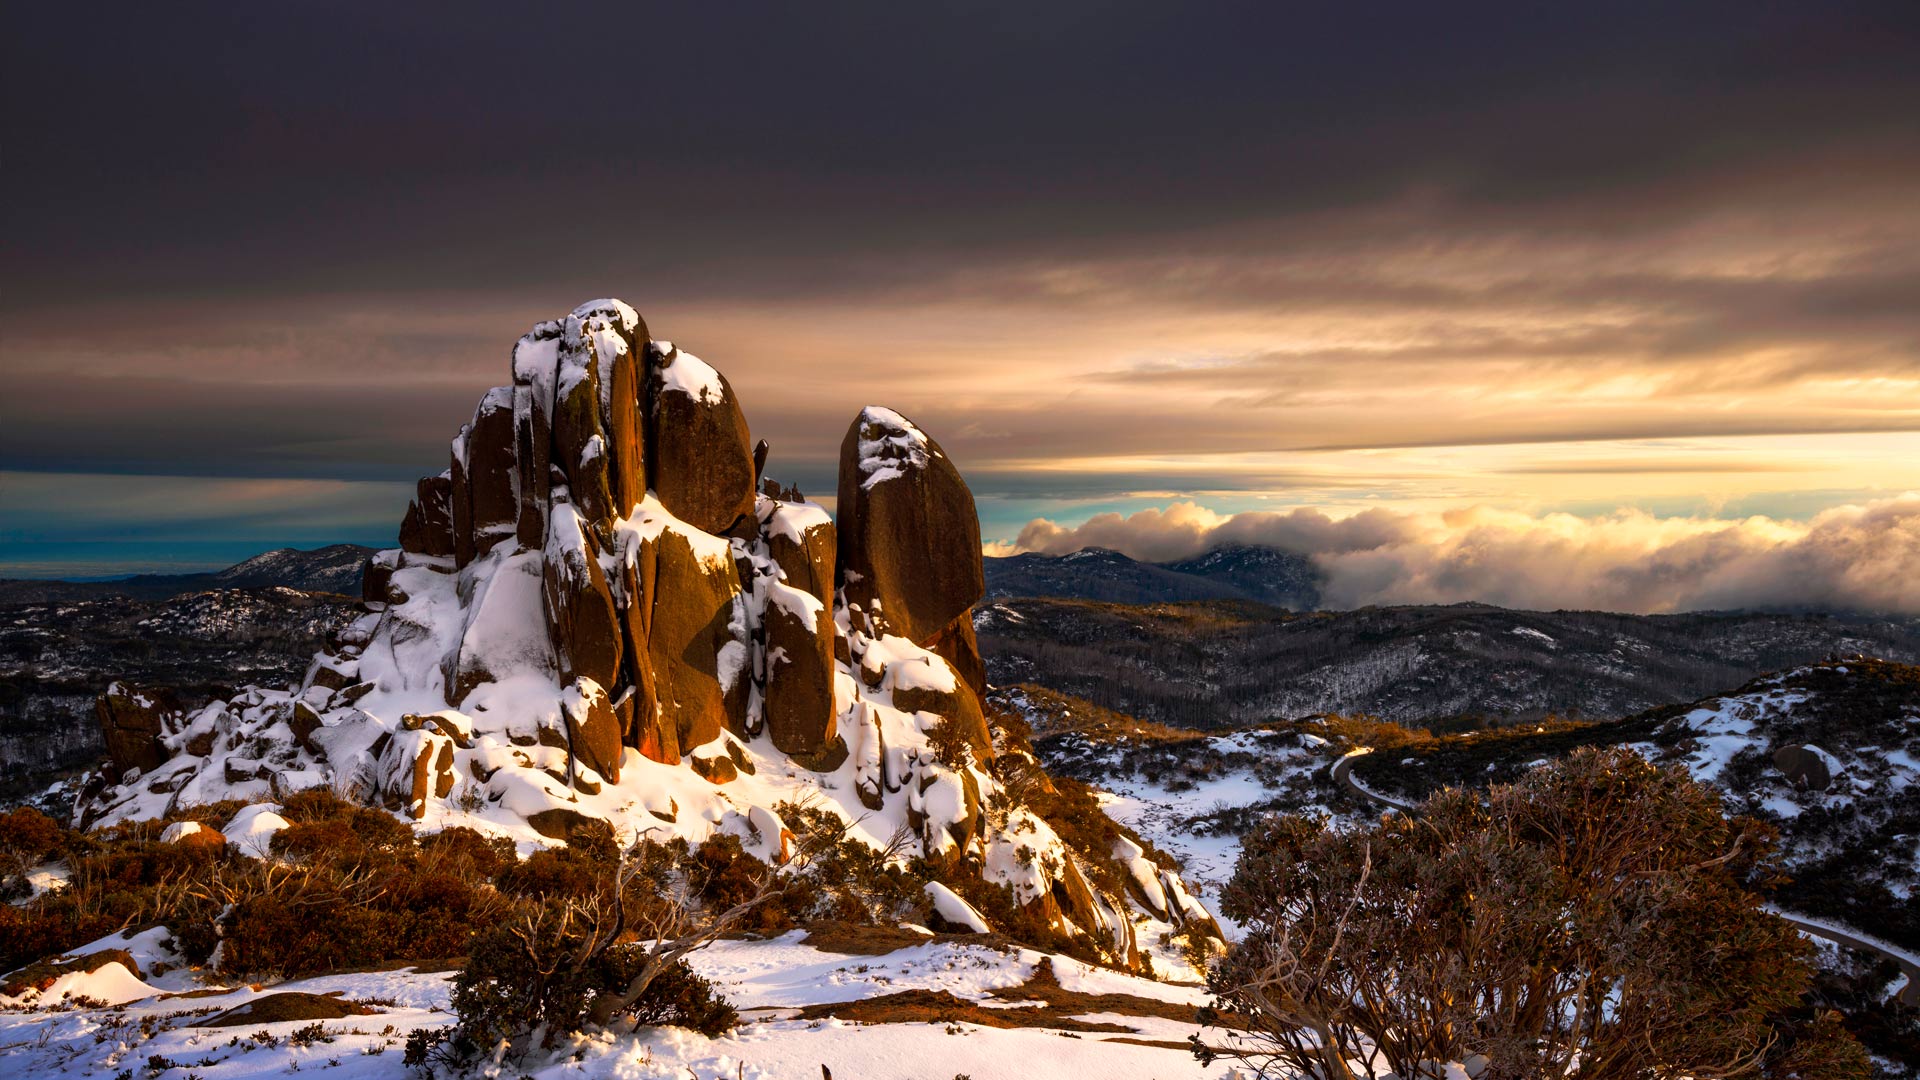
42, 974
288, 1005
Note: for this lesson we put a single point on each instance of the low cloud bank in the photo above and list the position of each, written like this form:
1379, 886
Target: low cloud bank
1850, 558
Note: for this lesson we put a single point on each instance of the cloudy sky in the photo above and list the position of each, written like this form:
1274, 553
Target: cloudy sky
1635, 288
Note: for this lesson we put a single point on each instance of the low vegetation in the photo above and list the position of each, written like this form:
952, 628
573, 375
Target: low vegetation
1593, 919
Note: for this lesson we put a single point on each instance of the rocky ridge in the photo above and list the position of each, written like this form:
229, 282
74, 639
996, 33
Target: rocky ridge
602, 608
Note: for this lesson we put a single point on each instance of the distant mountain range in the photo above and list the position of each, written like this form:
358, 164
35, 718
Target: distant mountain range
1264, 575
332, 569
1210, 665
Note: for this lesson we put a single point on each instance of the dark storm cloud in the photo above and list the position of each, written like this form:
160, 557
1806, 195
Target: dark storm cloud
1097, 248
271, 147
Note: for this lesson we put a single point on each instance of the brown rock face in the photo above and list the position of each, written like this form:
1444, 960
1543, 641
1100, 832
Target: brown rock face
462, 498
699, 451
490, 464
799, 703
618, 340
718, 769
960, 708
648, 730
691, 637
958, 646
535, 357
800, 538
579, 439
375, 575
561, 823
580, 607
428, 526
593, 732
909, 536
132, 721
432, 772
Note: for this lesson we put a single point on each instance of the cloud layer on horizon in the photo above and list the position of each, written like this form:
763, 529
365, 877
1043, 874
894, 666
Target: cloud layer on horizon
1862, 558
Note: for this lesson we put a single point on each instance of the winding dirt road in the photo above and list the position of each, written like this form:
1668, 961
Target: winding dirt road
1909, 994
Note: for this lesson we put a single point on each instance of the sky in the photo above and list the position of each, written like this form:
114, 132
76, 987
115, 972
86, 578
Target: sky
1599, 281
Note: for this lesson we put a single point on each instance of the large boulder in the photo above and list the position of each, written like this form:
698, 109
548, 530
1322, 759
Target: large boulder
800, 709
647, 728
928, 683
593, 732
415, 766
699, 451
800, 537
132, 721
908, 534
695, 631
377, 573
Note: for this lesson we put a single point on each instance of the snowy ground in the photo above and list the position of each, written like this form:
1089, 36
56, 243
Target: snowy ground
1194, 799
150, 1030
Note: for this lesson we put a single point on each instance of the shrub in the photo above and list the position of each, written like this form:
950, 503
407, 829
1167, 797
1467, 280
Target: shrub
1594, 912
721, 874
534, 979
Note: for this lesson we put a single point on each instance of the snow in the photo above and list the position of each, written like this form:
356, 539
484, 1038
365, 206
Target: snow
793, 520
953, 909
898, 446
251, 830
767, 980
651, 519
1530, 632
179, 831
685, 373
110, 983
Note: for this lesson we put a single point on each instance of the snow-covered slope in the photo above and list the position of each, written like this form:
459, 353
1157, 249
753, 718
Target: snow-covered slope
1008, 1018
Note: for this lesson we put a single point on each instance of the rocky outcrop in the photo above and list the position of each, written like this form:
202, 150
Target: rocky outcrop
909, 537
602, 567
593, 731
132, 720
